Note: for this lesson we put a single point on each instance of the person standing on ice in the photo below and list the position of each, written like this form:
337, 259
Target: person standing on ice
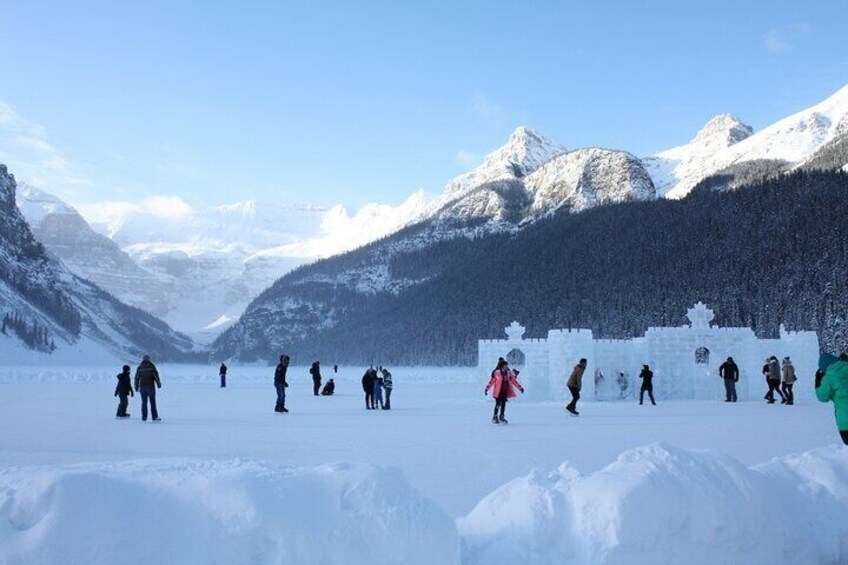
315, 371
789, 378
647, 376
834, 387
222, 372
574, 384
146, 382
122, 390
503, 382
729, 371
772, 369
368, 387
378, 390
280, 383
388, 385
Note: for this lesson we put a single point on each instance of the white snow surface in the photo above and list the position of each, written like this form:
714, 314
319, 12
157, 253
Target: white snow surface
223, 479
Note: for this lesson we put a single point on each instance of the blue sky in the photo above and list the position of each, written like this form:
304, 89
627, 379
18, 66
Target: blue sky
327, 102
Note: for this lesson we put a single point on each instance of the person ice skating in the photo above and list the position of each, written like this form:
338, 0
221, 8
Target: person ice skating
378, 390
223, 374
574, 384
329, 388
122, 390
280, 383
833, 386
146, 382
647, 376
729, 372
335, 369
772, 371
388, 385
315, 371
368, 387
502, 382
789, 378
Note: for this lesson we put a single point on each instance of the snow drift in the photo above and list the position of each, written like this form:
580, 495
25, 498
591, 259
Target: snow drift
660, 504
218, 512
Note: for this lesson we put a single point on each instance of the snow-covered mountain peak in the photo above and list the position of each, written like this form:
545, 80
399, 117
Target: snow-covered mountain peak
525, 151
723, 130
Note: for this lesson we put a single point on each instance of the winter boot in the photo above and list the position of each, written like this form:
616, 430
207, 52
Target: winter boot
503, 420
495, 420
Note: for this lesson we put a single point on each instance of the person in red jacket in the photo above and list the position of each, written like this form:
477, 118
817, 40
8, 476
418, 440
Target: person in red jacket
503, 383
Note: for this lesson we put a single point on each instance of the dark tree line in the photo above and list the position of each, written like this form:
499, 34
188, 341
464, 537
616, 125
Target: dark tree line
33, 334
772, 252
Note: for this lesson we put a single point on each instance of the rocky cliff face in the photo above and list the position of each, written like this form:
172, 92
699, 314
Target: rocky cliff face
47, 308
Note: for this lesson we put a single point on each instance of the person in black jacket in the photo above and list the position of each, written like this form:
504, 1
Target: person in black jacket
122, 390
368, 386
146, 382
315, 371
280, 383
329, 388
647, 377
729, 371
223, 373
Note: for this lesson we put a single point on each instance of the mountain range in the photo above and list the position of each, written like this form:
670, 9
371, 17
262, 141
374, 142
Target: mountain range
530, 180
204, 270
50, 310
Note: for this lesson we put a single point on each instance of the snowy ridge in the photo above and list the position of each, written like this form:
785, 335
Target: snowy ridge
725, 141
196, 267
653, 504
59, 313
219, 512
662, 504
524, 152
589, 177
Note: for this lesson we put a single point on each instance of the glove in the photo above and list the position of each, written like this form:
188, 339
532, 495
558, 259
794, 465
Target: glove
285, 385
485, 393
131, 393
159, 385
116, 394
522, 391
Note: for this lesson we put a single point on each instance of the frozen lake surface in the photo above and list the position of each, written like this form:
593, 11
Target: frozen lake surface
438, 435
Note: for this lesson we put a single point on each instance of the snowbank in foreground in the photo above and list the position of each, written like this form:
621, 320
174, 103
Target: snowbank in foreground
214, 512
660, 504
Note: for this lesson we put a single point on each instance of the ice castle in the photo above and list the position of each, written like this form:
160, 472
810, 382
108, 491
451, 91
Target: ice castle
685, 360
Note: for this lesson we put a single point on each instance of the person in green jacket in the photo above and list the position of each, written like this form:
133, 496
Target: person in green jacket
834, 386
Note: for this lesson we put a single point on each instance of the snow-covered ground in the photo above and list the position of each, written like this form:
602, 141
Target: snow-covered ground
224, 479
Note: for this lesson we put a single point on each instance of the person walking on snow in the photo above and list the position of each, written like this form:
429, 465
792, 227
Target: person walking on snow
315, 371
388, 386
789, 378
772, 369
647, 377
574, 384
834, 387
503, 382
368, 387
280, 383
122, 390
729, 372
146, 382
223, 374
